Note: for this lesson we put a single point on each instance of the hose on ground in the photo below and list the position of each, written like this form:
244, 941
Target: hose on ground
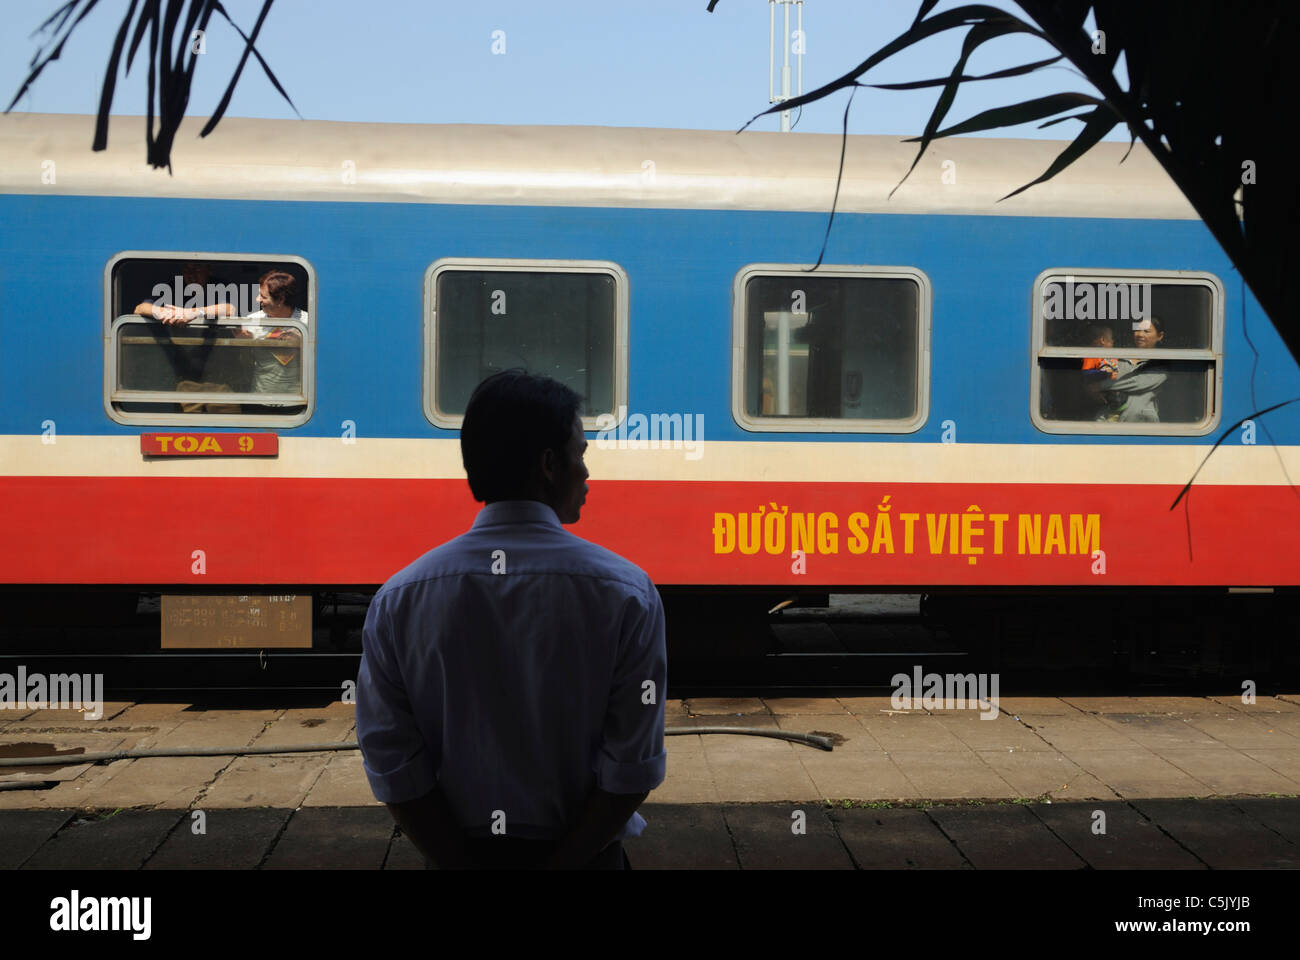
72, 759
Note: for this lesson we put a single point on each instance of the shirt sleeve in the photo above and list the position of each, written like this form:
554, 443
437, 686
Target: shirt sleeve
396, 758
632, 757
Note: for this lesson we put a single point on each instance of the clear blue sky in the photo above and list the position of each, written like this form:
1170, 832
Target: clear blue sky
584, 62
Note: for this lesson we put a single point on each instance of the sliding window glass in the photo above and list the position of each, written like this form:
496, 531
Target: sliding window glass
1127, 352
209, 339
565, 319
842, 349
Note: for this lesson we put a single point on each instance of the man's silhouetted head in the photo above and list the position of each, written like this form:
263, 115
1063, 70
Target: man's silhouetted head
521, 439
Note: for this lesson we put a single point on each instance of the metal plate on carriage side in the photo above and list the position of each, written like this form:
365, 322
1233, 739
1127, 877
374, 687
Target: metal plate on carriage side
192, 622
210, 444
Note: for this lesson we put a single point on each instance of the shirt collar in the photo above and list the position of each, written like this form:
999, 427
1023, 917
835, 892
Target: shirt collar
516, 511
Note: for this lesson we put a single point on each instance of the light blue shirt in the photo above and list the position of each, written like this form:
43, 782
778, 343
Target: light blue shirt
519, 666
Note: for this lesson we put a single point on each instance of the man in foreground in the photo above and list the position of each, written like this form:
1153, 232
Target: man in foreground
510, 697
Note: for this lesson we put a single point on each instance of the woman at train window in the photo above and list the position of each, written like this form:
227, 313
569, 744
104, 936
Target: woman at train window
276, 371
1132, 394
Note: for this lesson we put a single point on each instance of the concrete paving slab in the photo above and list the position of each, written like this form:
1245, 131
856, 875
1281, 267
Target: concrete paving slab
686, 745
753, 721
1155, 732
764, 770
1288, 723
1282, 704
919, 732
1130, 841
894, 839
1221, 835
235, 728
160, 782
1080, 731
951, 775
338, 708
1033, 773
112, 709
795, 706
1038, 706
343, 783
845, 729
152, 712
1137, 772
121, 842
51, 744
765, 839
45, 744
266, 781
1004, 837
298, 727
1281, 815
23, 832
46, 774
353, 838
1197, 706
233, 840
68, 794
1242, 731
1000, 733
689, 778
856, 769
865, 706
729, 706
1285, 762
865, 776
682, 837
1227, 771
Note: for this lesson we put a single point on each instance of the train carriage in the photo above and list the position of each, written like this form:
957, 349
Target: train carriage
965, 394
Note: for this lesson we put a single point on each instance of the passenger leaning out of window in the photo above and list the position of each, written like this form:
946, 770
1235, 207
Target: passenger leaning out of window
1137, 383
276, 371
191, 364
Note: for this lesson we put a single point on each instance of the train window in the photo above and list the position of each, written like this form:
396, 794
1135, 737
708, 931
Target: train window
209, 339
566, 319
845, 349
1137, 352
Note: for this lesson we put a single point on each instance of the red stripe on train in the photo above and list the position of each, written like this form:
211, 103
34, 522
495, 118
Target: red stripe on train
310, 531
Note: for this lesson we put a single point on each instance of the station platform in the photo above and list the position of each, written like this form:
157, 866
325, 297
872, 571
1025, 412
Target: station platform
1074, 782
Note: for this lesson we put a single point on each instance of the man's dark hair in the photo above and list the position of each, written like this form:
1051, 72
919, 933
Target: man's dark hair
511, 418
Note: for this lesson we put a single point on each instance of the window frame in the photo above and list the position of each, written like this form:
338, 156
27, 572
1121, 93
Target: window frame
442, 265
199, 420
1039, 350
925, 310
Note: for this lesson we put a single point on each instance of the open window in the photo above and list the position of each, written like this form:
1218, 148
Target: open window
843, 349
209, 339
1127, 352
565, 319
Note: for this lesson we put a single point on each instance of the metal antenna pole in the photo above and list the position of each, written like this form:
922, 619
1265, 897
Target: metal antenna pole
771, 48
785, 94
799, 6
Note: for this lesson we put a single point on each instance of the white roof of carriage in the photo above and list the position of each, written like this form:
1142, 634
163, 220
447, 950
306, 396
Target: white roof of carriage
579, 166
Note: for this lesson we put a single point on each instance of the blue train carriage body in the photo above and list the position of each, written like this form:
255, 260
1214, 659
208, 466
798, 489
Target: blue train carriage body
966, 393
